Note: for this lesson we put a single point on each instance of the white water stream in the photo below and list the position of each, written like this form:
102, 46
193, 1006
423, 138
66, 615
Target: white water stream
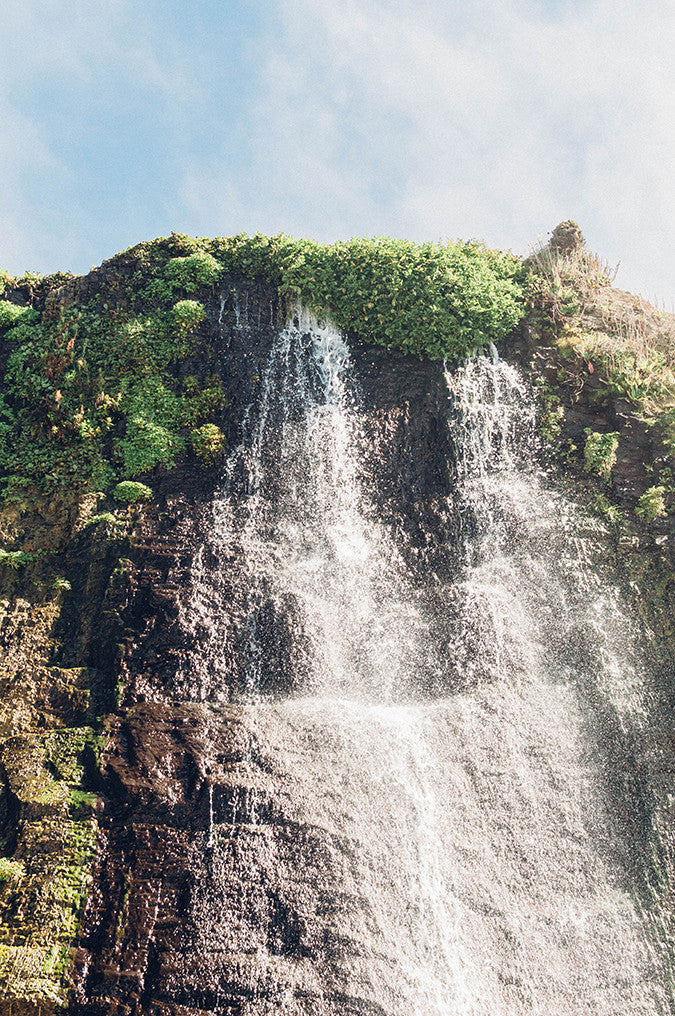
457, 855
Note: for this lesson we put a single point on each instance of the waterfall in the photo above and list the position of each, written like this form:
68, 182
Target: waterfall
371, 847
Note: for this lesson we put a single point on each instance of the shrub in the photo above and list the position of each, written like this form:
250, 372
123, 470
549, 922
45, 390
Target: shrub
61, 585
193, 271
427, 299
600, 452
151, 436
187, 314
130, 492
609, 511
148, 444
652, 504
208, 443
6, 280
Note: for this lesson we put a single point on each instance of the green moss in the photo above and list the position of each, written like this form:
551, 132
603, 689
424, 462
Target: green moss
42, 907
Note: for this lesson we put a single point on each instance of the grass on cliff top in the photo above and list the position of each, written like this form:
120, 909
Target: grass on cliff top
622, 340
102, 389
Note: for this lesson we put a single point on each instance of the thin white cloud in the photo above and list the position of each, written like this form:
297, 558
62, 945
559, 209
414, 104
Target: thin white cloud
385, 117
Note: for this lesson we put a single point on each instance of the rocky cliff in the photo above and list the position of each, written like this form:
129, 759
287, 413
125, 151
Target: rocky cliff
115, 766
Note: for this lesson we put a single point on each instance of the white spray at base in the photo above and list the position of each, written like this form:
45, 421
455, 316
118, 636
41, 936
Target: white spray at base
469, 859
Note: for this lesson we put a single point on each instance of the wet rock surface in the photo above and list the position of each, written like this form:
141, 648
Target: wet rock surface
191, 908
177, 774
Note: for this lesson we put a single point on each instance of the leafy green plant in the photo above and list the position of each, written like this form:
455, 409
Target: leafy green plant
61, 585
607, 510
131, 492
6, 280
11, 314
17, 558
187, 315
600, 452
201, 400
193, 271
652, 504
152, 422
208, 443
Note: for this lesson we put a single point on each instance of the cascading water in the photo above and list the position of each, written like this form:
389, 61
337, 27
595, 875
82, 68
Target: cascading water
373, 848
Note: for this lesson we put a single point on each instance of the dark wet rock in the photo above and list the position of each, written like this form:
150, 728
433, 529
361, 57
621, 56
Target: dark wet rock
191, 908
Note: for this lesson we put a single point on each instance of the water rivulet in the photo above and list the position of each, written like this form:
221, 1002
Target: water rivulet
420, 812
415, 698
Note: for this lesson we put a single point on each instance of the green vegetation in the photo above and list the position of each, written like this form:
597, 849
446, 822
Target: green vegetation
11, 314
111, 389
130, 492
608, 511
42, 896
188, 314
193, 271
613, 349
600, 453
208, 443
106, 519
16, 558
652, 504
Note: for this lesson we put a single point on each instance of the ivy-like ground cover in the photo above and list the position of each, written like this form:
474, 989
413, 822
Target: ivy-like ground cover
97, 393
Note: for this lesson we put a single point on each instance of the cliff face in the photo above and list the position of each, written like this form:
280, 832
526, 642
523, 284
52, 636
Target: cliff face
120, 778
119, 633
175, 769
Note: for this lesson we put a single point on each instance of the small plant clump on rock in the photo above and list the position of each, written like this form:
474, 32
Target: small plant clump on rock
11, 314
652, 504
131, 492
600, 453
17, 558
208, 443
188, 314
10, 870
193, 271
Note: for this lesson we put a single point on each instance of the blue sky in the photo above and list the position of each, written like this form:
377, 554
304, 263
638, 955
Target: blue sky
430, 119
